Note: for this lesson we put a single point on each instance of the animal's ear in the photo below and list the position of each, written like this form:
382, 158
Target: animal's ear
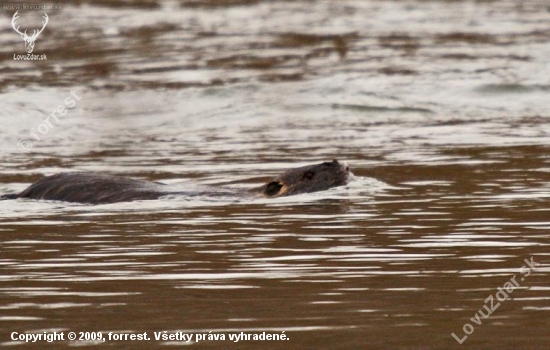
308, 175
272, 188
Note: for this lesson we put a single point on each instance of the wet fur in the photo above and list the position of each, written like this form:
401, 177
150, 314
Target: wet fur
307, 179
95, 188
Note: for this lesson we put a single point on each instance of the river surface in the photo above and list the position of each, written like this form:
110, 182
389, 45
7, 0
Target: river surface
440, 108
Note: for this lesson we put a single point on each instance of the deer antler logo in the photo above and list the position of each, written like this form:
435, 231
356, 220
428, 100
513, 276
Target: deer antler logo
29, 40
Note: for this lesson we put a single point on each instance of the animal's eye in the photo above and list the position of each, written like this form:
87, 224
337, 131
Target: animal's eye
309, 175
273, 188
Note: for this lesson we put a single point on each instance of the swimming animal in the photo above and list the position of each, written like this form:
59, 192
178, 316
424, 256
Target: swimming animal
96, 188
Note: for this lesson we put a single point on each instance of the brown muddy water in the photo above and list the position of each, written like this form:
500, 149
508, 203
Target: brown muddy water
440, 108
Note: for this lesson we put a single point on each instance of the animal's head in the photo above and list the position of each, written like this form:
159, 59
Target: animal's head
29, 40
307, 179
